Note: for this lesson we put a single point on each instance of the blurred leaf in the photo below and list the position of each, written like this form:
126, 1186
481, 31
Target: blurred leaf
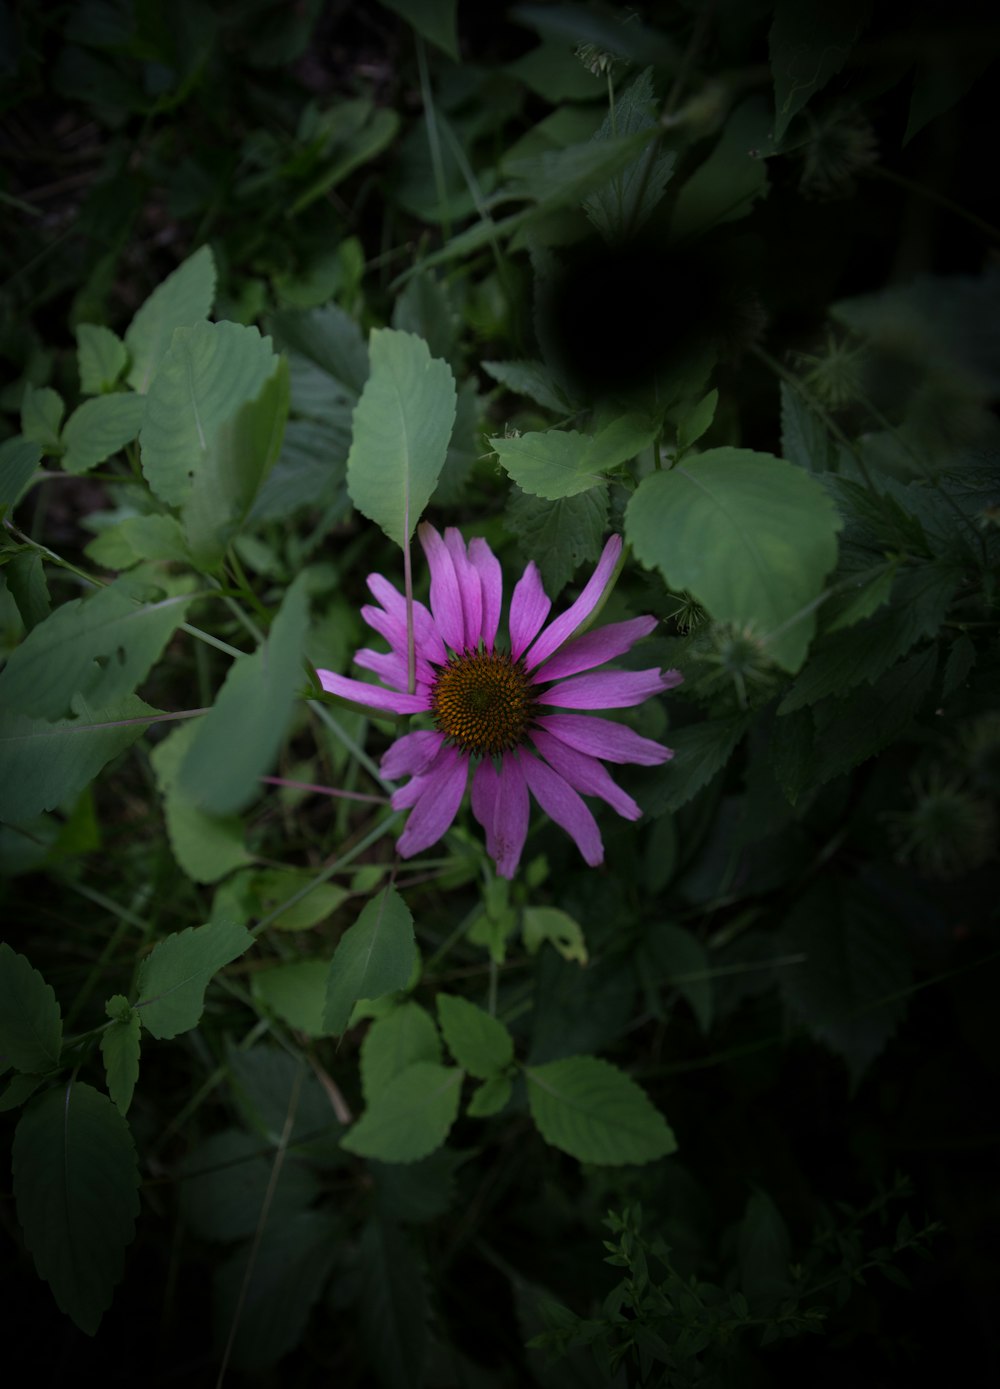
434, 20
392, 1305
732, 178
564, 177
406, 1034
76, 1183
479, 1043
25, 576
362, 146
330, 339
700, 751
676, 957
942, 80
593, 1111
174, 977
184, 298
402, 426
138, 538
764, 1253
19, 460
30, 1020
100, 427
490, 1097
804, 437
409, 1118
295, 992
41, 415
808, 47
276, 885
206, 846
531, 379
224, 1181
374, 957
120, 1049
101, 357
542, 924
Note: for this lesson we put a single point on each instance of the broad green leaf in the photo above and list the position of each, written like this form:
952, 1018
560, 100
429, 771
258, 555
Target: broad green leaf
531, 379
139, 538
206, 846
425, 310
209, 373
558, 536
696, 421
331, 340
280, 1097
276, 885
41, 415
244, 450
845, 658
593, 1111
392, 1304
411, 1117
120, 1049
562, 463
480, 1044
295, 992
76, 1183
30, 1020
99, 647
620, 208
100, 427
101, 357
25, 576
870, 595
18, 1091
405, 1035
764, 1253
551, 924
174, 977
43, 765
237, 741
374, 957
804, 437
183, 299
733, 176
434, 20
749, 535
19, 460
699, 752
402, 426
809, 45
673, 956
490, 1097
224, 1182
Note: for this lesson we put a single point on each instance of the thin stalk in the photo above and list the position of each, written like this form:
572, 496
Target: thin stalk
352, 747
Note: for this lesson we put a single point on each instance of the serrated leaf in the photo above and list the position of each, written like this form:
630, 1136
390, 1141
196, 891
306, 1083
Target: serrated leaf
532, 379
331, 340
174, 977
374, 957
295, 992
100, 427
542, 924
402, 426
564, 177
19, 460
239, 738
490, 1097
590, 1109
479, 1043
749, 535
101, 356
804, 438
563, 463
206, 846
700, 751
76, 1183
120, 1048
41, 415
405, 1035
411, 1117
559, 536
209, 373
99, 647
184, 298
30, 1020
808, 47
620, 208
870, 596
43, 765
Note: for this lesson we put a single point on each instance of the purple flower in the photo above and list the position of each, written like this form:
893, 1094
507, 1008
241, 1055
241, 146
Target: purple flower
490, 705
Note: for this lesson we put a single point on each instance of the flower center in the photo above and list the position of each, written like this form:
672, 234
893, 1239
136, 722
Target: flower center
482, 701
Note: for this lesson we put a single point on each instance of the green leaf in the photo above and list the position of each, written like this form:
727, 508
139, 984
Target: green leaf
174, 977
620, 208
379, 129
808, 47
76, 1183
542, 924
392, 1305
697, 421
206, 846
183, 299
409, 1118
700, 751
490, 1097
209, 373
138, 538
749, 535
100, 427
19, 1090
276, 885
120, 1049
244, 450
562, 463
30, 1020
41, 415
869, 597
559, 536
479, 1043
593, 1111
25, 575
402, 426
564, 177
19, 460
677, 957
330, 339
434, 20
764, 1253
405, 1035
43, 765
374, 957
732, 178
531, 379
295, 992
804, 438
99, 647
237, 741
101, 357
224, 1183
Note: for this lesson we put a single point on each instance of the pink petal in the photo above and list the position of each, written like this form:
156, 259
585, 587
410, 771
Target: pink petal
411, 754
585, 774
469, 586
562, 804
485, 791
390, 666
491, 581
500, 804
392, 623
529, 607
373, 696
446, 596
612, 742
441, 795
594, 648
606, 689
566, 624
